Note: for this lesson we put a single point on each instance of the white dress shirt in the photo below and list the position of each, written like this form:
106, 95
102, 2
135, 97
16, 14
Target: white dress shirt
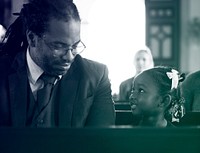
34, 72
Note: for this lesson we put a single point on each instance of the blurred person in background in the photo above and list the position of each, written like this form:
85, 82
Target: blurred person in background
190, 90
143, 60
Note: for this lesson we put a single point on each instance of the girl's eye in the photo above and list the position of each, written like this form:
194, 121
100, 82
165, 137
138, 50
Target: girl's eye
141, 91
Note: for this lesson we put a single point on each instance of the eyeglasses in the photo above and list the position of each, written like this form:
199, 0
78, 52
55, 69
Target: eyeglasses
61, 49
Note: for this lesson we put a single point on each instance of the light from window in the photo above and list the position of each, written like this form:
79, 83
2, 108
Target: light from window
112, 31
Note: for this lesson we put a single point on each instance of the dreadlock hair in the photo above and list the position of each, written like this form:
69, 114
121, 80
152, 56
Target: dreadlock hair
164, 84
34, 16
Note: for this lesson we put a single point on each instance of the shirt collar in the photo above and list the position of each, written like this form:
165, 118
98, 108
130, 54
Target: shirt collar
34, 71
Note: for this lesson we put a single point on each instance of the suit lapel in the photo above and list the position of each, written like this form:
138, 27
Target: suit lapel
18, 85
66, 94
68, 91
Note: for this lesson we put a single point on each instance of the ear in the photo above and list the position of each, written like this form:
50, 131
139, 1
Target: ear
166, 100
31, 38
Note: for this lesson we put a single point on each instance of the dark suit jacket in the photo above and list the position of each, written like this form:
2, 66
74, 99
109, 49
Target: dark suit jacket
190, 90
84, 94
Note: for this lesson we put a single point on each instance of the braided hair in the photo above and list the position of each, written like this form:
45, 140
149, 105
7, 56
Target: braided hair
165, 84
34, 16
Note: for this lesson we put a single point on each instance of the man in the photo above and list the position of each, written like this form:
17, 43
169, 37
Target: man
44, 42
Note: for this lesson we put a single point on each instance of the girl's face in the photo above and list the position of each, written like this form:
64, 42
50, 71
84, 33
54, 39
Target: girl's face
145, 98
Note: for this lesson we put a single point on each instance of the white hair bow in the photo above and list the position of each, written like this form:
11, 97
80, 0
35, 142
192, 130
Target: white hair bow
174, 76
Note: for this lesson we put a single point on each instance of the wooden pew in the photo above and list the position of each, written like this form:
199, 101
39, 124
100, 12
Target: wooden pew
99, 140
190, 119
124, 116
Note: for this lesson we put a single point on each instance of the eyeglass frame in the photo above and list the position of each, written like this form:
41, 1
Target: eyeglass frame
65, 49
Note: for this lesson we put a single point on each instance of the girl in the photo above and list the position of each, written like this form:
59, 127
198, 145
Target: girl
155, 97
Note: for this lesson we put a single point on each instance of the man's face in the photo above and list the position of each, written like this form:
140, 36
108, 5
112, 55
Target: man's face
51, 50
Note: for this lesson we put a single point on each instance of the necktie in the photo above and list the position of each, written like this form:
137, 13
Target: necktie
44, 94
